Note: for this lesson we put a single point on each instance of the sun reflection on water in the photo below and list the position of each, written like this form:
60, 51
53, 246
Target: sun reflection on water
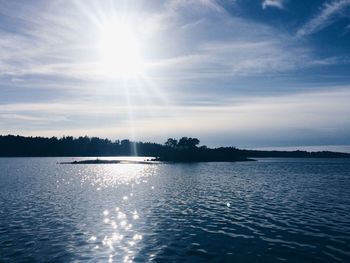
101, 176
117, 238
122, 238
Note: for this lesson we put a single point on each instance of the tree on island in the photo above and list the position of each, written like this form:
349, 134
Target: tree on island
188, 143
172, 143
183, 143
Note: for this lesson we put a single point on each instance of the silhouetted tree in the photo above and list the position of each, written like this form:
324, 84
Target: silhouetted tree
186, 143
171, 143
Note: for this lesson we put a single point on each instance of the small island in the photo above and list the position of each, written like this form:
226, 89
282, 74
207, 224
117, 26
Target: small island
103, 161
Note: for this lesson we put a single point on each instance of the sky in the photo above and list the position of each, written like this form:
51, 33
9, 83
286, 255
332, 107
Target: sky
245, 73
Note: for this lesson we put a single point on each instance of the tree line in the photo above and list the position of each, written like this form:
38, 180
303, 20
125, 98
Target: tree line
182, 149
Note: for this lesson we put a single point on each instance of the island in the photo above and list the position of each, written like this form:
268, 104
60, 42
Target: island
104, 161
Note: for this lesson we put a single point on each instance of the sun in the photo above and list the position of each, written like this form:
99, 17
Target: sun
119, 50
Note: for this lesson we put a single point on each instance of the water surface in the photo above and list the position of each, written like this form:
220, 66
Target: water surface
294, 210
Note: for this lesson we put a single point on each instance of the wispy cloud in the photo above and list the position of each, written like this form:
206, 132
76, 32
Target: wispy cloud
199, 62
20, 117
209, 4
302, 115
234, 58
346, 30
328, 14
65, 46
273, 3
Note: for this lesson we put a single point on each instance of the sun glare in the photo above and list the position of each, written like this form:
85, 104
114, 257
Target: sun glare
119, 50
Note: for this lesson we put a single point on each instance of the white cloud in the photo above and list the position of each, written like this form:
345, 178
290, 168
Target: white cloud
20, 117
328, 14
307, 114
176, 41
232, 58
208, 4
273, 3
183, 44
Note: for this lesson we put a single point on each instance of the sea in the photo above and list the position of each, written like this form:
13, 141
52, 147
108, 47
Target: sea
269, 210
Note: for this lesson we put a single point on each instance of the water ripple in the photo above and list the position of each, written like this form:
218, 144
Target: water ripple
268, 211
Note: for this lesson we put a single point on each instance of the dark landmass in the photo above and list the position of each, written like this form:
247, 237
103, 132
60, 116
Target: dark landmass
294, 154
183, 150
99, 161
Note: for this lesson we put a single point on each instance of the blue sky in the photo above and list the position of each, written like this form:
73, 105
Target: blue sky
248, 73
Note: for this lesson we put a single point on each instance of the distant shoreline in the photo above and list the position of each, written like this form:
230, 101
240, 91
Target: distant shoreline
185, 149
315, 148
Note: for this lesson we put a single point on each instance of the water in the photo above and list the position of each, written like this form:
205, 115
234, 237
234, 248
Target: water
293, 210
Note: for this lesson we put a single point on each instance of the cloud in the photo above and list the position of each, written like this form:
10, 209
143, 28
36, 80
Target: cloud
273, 3
20, 117
302, 116
327, 15
64, 46
208, 4
346, 30
197, 57
237, 58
